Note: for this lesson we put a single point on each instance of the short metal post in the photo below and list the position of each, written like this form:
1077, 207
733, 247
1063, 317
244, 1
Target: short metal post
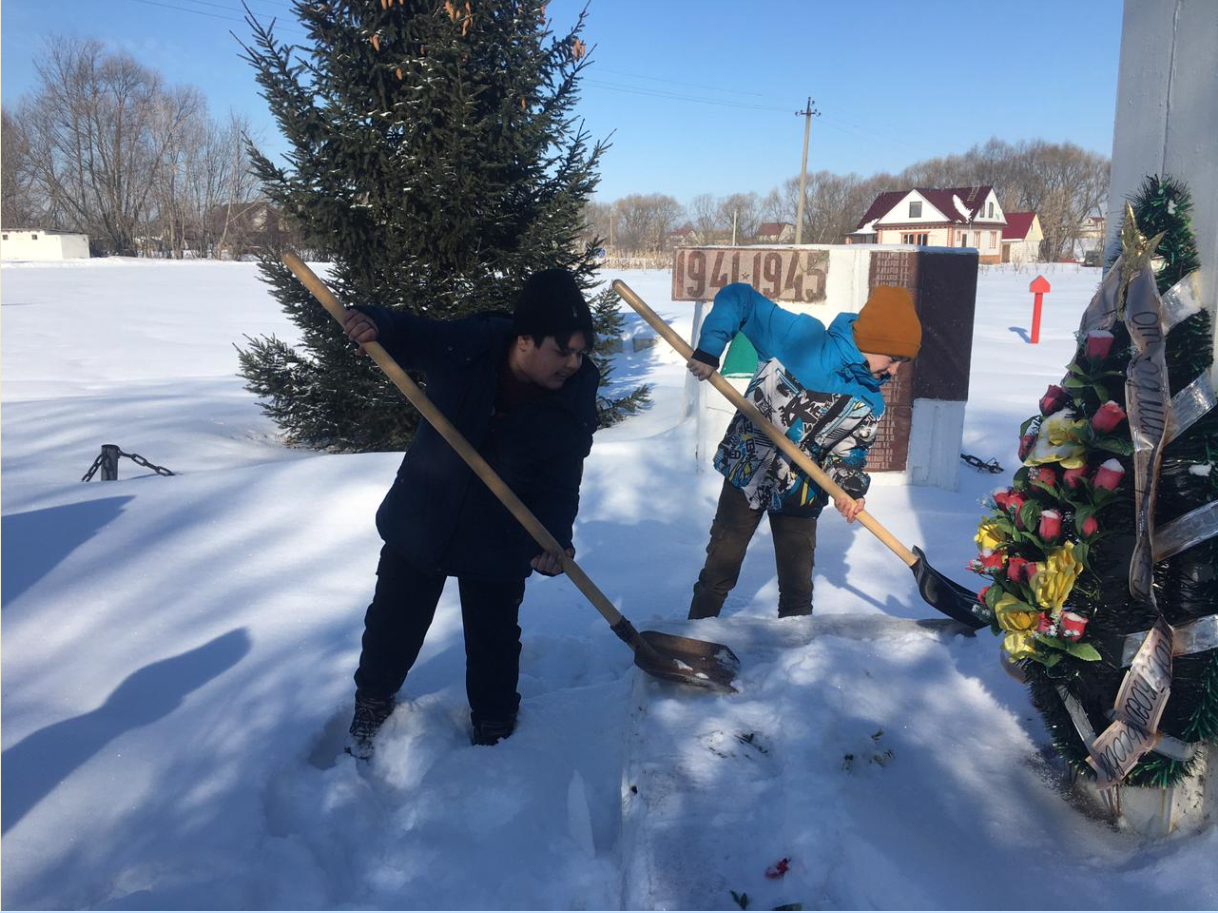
109, 463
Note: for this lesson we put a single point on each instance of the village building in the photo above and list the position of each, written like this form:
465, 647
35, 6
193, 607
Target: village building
774, 233
1021, 238
40, 244
935, 217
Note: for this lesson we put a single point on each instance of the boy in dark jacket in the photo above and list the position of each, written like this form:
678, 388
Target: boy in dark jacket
523, 394
821, 386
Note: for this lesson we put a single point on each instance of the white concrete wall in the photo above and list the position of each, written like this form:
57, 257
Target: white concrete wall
40, 245
1167, 118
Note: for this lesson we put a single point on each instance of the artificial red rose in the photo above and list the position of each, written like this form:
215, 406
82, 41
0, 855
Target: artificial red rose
1026, 443
1050, 525
993, 561
1030, 570
1071, 478
1044, 625
1099, 344
1072, 625
1090, 526
1045, 475
1014, 505
1018, 570
1001, 496
1109, 475
981, 594
1107, 417
1053, 400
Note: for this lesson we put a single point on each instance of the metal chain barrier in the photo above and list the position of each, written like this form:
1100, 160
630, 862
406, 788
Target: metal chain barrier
107, 462
979, 464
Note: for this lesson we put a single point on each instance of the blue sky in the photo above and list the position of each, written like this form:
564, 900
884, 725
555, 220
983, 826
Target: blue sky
700, 96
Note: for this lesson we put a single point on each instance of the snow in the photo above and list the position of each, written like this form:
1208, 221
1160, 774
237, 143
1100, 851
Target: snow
177, 656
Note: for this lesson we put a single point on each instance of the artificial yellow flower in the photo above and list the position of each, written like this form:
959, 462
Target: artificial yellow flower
1014, 615
989, 536
1019, 646
1061, 439
1055, 577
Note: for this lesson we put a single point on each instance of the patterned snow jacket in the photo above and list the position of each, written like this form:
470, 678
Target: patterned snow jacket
813, 383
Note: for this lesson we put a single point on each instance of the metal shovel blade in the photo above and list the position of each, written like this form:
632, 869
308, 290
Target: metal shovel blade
691, 662
950, 598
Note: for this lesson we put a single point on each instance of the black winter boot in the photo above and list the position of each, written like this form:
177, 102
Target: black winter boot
491, 732
370, 716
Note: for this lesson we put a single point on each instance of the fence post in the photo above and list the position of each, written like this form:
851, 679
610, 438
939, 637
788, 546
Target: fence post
109, 463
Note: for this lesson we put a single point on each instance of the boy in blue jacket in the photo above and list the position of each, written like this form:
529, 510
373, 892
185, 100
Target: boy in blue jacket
821, 386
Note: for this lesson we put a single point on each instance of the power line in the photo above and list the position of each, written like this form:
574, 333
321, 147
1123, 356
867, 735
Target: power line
846, 127
677, 82
657, 93
184, 9
237, 9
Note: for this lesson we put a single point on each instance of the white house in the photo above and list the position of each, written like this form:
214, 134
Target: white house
37, 244
935, 217
1021, 238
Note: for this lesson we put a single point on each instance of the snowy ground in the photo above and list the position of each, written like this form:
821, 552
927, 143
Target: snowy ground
177, 655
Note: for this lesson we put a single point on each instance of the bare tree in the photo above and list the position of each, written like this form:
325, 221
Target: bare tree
1064, 185
18, 206
705, 214
597, 219
775, 207
101, 128
743, 210
644, 220
239, 198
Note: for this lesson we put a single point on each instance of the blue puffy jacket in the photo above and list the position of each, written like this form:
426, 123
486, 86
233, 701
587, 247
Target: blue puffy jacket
438, 513
824, 360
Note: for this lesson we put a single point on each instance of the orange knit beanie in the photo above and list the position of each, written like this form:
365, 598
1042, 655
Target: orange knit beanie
888, 325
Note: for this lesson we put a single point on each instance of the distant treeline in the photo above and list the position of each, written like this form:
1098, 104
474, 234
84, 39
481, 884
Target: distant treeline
1062, 183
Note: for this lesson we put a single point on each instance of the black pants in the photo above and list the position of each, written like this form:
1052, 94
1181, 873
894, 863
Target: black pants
733, 527
400, 614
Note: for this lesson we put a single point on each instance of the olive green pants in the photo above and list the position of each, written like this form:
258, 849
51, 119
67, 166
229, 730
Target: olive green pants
732, 529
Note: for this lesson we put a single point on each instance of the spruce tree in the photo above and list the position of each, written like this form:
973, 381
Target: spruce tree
608, 321
435, 158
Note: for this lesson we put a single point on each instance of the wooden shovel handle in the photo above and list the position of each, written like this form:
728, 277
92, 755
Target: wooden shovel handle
458, 442
753, 414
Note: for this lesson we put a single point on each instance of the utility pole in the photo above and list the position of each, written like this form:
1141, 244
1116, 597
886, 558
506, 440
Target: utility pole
735, 216
807, 114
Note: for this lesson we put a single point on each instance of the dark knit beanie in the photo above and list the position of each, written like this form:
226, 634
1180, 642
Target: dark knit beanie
888, 324
552, 304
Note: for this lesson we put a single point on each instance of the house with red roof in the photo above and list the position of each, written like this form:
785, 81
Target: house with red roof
684, 236
774, 233
1021, 238
935, 217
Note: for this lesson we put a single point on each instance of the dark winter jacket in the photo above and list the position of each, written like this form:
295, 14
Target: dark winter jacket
438, 513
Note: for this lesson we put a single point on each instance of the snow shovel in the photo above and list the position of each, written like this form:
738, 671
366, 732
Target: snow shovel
948, 597
667, 656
